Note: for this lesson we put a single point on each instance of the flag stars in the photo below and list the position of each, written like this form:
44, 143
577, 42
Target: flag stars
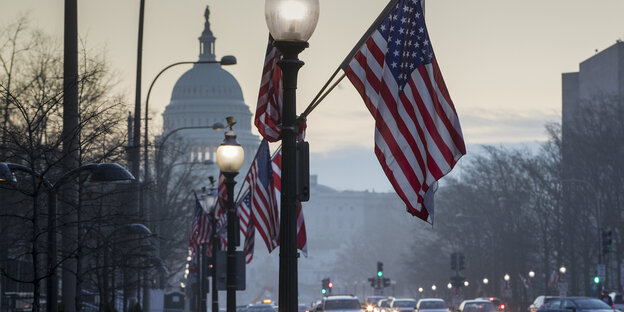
398, 41
421, 30
396, 53
426, 42
394, 65
406, 8
401, 30
403, 20
391, 28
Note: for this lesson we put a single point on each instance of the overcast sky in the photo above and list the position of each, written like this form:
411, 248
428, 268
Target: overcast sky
502, 60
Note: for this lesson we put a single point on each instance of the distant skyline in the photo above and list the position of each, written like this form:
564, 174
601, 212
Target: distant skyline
502, 60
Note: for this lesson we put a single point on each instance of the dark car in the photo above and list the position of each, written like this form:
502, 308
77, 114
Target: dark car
539, 302
497, 303
576, 304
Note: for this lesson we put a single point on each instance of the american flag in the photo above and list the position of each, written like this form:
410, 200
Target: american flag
264, 206
302, 240
247, 226
220, 212
418, 138
268, 118
200, 227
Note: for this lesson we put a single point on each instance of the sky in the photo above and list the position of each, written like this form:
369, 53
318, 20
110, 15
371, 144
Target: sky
502, 62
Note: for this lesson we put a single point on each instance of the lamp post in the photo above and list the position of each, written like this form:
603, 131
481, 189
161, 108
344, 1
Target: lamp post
208, 201
531, 274
291, 23
230, 157
100, 172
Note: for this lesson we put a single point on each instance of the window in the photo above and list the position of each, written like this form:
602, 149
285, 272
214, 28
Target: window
342, 304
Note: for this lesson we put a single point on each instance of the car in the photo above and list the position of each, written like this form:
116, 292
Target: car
260, 307
303, 308
576, 304
540, 301
497, 303
477, 305
431, 305
383, 305
343, 303
403, 305
372, 301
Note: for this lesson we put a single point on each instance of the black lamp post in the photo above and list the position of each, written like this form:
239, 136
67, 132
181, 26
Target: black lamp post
100, 172
208, 201
291, 23
230, 157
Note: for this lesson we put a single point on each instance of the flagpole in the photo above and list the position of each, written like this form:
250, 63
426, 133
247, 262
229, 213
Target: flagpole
362, 40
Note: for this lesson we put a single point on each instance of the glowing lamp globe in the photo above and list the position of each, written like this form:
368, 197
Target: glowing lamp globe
230, 155
291, 20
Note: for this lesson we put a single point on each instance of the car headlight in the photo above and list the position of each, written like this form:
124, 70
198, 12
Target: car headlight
369, 308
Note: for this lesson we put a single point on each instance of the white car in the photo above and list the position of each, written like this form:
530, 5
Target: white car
432, 305
403, 305
341, 304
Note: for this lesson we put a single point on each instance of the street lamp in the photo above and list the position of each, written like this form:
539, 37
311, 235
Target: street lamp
230, 157
100, 172
208, 201
291, 23
485, 281
562, 270
506, 277
449, 286
420, 289
531, 274
433, 287
466, 283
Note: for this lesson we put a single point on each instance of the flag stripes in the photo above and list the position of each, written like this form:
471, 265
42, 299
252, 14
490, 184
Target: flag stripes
418, 138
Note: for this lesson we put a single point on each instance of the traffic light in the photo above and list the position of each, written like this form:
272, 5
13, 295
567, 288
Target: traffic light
596, 280
386, 282
330, 286
607, 241
454, 261
462, 263
379, 269
325, 286
372, 281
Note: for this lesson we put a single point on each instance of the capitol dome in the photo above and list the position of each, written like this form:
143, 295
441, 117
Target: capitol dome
204, 95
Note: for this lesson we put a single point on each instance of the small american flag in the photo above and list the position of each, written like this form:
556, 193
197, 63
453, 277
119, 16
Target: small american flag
302, 240
264, 206
221, 212
200, 227
268, 118
418, 138
247, 226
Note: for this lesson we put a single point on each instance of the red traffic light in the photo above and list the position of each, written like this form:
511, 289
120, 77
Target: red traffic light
331, 285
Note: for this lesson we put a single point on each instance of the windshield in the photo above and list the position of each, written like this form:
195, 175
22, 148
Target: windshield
404, 303
432, 305
590, 303
342, 304
384, 303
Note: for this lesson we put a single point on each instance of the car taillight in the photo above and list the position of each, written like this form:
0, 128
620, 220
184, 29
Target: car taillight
502, 307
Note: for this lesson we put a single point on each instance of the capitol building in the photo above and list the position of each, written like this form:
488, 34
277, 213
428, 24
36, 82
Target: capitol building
347, 231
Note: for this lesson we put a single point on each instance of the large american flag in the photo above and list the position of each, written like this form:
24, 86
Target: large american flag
200, 227
264, 205
302, 240
418, 138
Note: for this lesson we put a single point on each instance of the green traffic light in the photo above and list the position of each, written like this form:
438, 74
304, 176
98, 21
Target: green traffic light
323, 291
379, 273
596, 280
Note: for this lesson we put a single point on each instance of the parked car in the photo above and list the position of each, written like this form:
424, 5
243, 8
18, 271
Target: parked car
477, 305
403, 305
576, 304
431, 305
539, 302
343, 303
